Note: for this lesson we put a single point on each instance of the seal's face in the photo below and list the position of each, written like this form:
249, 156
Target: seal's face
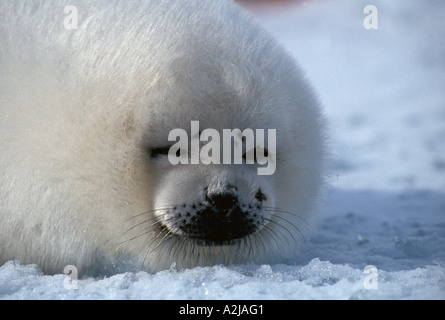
210, 202
212, 205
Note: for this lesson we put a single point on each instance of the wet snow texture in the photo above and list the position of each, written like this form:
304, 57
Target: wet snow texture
384, 95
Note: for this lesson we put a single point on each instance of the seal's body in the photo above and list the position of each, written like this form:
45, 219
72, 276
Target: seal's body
88, 96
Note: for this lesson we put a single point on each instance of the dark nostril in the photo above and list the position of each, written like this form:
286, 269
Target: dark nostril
223, 202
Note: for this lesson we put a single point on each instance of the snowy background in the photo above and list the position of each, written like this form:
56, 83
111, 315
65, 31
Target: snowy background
384, 96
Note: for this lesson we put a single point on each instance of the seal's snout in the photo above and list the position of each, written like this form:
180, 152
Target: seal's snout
222, 218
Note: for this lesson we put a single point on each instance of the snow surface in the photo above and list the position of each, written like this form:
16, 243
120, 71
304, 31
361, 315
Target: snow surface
384, 96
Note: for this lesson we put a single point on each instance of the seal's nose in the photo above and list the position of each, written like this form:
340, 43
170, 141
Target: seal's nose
221, 219
222, 203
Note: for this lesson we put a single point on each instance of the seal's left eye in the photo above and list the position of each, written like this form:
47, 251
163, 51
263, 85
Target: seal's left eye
160, 151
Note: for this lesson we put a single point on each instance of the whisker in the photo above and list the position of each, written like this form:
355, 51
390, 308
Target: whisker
249, 245
169, 235
153, 210
294, 215
290, 223
143, 222
267, 208
144, 231
276, 233
273, 235
283, 227
149, 243
162, 240
155, 217
157, 221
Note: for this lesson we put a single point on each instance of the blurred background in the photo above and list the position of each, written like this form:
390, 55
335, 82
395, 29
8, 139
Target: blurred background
383, 89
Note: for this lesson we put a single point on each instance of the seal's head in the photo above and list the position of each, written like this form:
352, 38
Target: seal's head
211, 210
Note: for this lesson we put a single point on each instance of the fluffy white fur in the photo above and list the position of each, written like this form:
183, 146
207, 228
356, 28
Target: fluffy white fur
80, 110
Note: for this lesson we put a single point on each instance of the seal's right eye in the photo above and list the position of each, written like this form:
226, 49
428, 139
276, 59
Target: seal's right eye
159, 151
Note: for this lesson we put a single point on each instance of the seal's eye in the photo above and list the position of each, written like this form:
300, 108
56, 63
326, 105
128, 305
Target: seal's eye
159, 151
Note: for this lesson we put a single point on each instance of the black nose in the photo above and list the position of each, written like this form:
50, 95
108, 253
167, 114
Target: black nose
220, 220
223, 203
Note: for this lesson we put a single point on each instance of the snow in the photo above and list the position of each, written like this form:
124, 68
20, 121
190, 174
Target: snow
384, 97
315, 280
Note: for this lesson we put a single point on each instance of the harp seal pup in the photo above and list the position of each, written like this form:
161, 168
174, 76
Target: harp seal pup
88, 96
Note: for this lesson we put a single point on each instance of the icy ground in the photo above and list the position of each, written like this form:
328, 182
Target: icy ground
384, 96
